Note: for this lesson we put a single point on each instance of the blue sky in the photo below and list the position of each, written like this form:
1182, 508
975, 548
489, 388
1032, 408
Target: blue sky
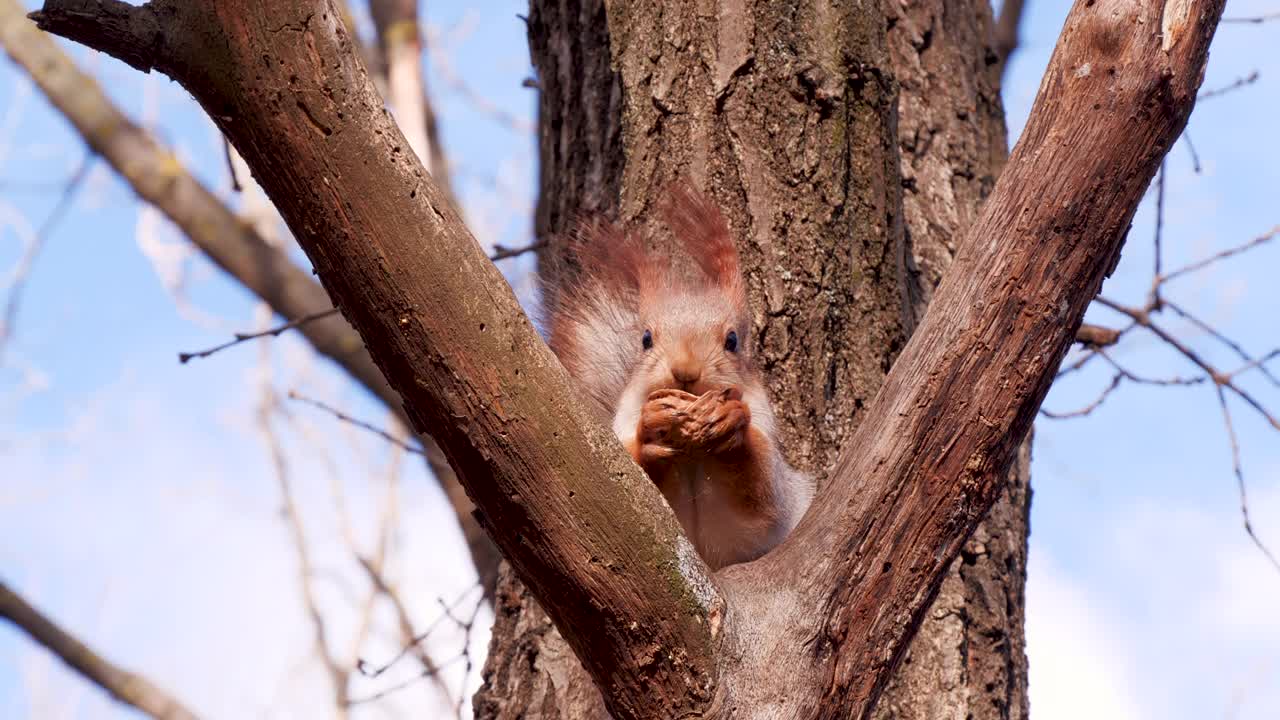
138, 505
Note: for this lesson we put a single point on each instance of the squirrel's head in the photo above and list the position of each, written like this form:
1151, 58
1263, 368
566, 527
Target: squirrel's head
693, 322
634, 322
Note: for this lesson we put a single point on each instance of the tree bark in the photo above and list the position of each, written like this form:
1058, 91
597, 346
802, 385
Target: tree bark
817, 627
799, 149
968, 660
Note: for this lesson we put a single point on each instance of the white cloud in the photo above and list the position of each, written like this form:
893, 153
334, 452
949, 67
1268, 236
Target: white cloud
1078, 669
1167, 611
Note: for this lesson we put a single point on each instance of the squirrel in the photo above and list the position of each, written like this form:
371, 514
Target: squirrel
665, 356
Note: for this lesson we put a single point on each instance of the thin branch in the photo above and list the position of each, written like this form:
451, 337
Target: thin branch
1159, 234
338, 675
1235, 346
1239, 472
1254, 20
411, 641
1143, 318
22, 274
1247, 80
128, 687
231, 166
1229, 252
372, 671
1144, 380
1115, 383
501, 252
409, 682
184, 357
1191, 148
1098, 336
1260, 362
295, 395
463, 654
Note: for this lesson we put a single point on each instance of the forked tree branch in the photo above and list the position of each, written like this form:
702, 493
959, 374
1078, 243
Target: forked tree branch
233, 245
127, 687
574, 515
583, 527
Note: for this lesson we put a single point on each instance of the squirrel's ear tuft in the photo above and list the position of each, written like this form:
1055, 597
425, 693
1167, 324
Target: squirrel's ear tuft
702, 231
609, 255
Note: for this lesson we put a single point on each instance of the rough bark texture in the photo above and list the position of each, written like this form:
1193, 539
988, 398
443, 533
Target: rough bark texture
968, 661
571, 511
579, 123
784, 115
234, 246
817, 627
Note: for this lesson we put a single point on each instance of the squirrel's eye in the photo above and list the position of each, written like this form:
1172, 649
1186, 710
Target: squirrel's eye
731, 342
647, 340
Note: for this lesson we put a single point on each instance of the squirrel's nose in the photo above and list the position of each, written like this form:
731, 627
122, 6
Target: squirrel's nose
686, 372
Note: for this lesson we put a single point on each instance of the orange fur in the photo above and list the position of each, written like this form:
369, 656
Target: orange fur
689, 406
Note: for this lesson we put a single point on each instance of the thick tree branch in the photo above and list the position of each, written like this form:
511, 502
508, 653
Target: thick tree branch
158, 178
127, 687
579, 521
926, 465
605, 557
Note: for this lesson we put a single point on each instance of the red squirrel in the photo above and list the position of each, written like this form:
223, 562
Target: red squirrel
665, 356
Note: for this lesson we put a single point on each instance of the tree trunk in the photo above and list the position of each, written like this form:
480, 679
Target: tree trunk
817, 627
968, 661
711, 99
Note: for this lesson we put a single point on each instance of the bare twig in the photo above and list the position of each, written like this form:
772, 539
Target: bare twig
1195, 156
1115, 383
1144, 380
1159, 235
501, 252
231, 166
127, 687
294, 395
1235, 346
409, 682
1249, 79
238, 338
22, 274
1257, 363
1143, 317
1254, 20
371, 671
1239, 472
1229, 252
463, 655
338, 674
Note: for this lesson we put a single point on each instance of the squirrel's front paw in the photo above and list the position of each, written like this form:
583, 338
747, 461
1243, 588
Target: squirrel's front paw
717, 422
662, 432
